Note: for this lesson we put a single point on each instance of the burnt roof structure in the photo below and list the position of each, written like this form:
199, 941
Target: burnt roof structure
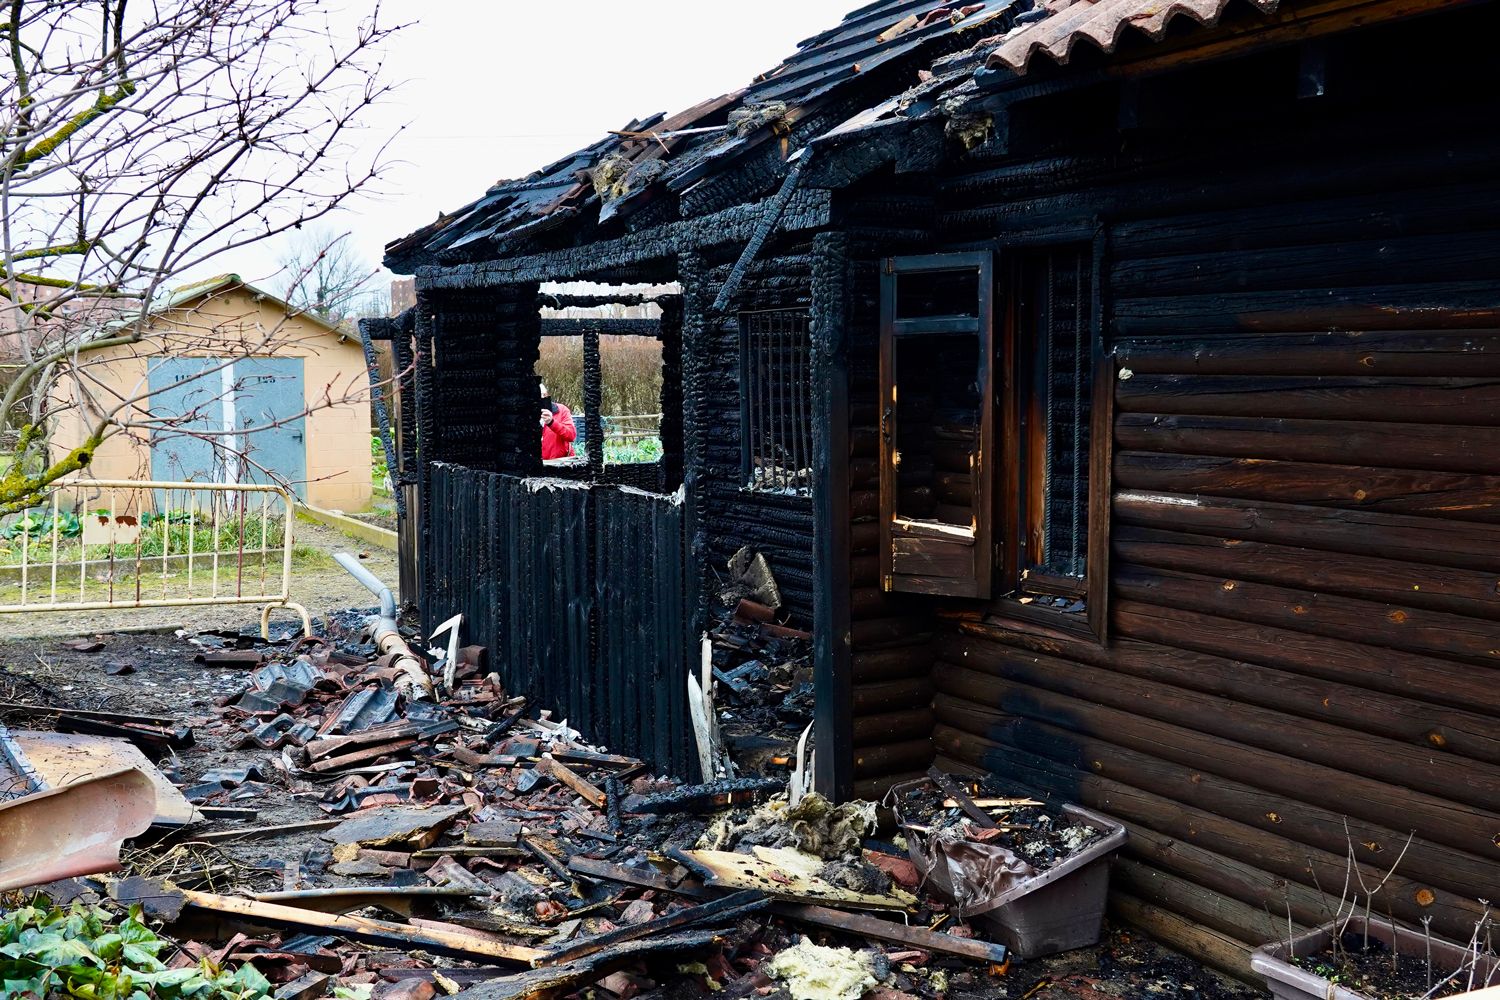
720, 152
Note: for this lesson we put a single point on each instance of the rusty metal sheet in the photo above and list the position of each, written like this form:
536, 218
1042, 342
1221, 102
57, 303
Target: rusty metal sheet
60, 759
73, 830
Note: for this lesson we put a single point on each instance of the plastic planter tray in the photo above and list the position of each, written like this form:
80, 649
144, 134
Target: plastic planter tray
1056, 910
1292, 982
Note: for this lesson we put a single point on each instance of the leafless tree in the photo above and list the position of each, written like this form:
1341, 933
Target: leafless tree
328, 277
140, 139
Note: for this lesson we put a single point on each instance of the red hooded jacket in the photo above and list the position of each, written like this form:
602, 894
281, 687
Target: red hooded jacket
558, 436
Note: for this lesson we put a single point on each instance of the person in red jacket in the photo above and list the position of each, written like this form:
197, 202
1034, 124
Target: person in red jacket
558, 432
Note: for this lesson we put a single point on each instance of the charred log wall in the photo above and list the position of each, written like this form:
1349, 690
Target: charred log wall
780, 526
473, 351
1304, 528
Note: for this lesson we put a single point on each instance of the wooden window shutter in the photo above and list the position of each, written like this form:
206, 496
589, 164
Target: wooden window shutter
937, 417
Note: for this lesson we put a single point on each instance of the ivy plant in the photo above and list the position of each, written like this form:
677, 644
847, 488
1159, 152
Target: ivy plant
89, 953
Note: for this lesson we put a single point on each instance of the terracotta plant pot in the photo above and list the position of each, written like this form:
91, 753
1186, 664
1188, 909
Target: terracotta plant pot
1292, 982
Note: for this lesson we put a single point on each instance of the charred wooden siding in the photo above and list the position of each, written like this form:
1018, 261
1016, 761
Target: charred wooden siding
1305, 616
780, 526
577, 591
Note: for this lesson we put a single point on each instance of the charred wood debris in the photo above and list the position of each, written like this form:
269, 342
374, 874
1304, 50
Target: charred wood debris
471, 844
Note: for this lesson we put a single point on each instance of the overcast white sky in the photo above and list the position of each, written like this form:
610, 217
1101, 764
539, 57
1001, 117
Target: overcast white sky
494, 89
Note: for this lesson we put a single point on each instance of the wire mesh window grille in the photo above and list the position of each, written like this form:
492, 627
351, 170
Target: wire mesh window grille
776, 400
1061, 283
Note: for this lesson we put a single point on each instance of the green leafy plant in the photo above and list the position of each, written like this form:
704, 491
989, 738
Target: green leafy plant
34, 524
89, 953
626, 452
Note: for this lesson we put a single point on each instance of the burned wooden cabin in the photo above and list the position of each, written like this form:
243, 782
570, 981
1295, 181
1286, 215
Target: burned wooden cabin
1114, 388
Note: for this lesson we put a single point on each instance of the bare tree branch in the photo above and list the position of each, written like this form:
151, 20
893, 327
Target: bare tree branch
137, 143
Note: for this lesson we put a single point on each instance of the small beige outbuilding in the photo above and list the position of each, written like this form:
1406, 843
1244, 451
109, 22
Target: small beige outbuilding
230, 383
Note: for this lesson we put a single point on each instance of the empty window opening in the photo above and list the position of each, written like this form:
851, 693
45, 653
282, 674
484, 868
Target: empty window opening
561, 410
776, 401
602, 355
630, 370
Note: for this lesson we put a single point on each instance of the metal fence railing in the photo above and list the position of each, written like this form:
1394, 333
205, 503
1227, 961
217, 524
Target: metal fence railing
107, 544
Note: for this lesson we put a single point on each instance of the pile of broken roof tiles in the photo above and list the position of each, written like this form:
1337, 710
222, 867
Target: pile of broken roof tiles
343, 834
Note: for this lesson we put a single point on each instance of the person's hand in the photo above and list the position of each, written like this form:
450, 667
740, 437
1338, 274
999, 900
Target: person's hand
546, 417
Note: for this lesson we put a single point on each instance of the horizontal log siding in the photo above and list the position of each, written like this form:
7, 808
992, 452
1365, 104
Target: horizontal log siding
1305, 543
780, 527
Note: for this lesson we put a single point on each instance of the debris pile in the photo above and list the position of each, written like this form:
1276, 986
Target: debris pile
763, 674
344, 836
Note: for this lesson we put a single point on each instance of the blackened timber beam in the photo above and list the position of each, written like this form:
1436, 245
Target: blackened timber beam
806, 209
600, 326
593, 399
548, 300
832, 714
697, 383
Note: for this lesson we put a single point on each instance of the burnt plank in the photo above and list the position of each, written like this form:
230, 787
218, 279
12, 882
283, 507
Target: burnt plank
1094, 769
1407, 676
1346, 749
890, 664
1447, 304
1461, 825
1424, 208
1374, 353
1457, 401
1404, 259
1436, 447
1439, 588
1339, 693
891, 727
1401, 491
889, 758
1416, 630
1428, 540
888, 696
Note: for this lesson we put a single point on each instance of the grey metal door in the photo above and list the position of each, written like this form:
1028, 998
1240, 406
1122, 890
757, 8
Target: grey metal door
269, 418
186, 407
239, 420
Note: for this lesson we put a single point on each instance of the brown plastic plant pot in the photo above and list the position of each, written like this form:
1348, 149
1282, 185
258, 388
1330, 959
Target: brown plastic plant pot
1292, 982
1053, 911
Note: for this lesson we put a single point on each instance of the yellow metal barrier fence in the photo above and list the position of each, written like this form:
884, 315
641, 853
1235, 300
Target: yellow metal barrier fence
109, 544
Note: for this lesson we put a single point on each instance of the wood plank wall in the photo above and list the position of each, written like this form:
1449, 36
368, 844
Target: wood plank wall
778, 526
1305, 543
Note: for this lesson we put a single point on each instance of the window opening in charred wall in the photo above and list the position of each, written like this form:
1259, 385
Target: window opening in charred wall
609, 353
630, 370
1055, 338
776, 401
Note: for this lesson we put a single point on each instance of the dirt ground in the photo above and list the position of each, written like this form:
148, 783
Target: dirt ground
318, 584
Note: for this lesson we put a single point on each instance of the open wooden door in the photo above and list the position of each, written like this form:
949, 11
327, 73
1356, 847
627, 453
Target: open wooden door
937, 424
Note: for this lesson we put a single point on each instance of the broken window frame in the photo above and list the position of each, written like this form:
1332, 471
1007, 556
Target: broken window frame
1014, 454
977, 581
1031, 590
783, 356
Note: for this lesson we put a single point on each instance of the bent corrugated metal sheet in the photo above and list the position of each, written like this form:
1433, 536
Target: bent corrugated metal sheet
73, 830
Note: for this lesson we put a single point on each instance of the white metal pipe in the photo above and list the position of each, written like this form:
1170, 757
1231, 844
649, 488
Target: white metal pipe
387, 637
